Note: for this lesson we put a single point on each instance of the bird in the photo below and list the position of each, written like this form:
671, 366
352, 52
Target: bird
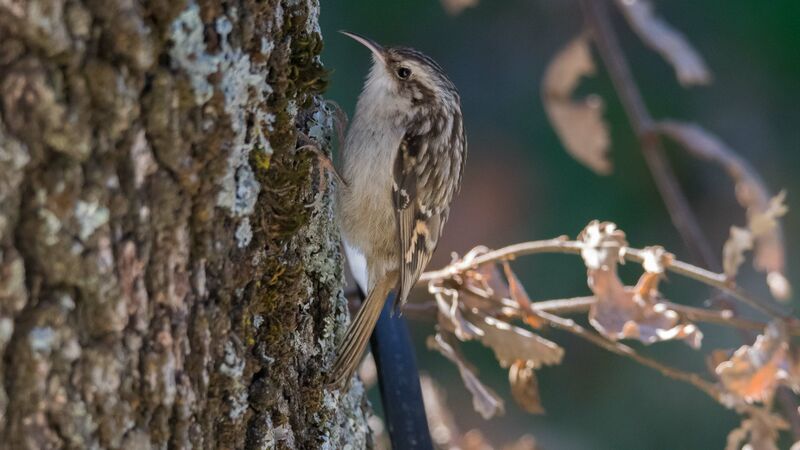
403, 159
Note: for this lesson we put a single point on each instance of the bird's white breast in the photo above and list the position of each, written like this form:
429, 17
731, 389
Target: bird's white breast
366, 212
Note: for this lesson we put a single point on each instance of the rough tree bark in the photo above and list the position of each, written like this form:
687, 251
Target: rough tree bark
169, 267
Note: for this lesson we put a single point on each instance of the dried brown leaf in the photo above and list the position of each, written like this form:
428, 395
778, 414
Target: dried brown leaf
660, 36
603, 245
443, 427
485, 401
717, 357
455, 7
656, 259
634, 312
769, 245
450, 317
760, 431
525, 386
519, 295
491, 280
765, 221
578, 123
739, 241
754, 372
752, 194
511, 343
622, 312
779, 286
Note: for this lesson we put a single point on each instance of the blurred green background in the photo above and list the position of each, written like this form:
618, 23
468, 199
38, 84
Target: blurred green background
521, 185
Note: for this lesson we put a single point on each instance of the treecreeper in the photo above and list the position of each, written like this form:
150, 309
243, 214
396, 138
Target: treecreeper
402, 163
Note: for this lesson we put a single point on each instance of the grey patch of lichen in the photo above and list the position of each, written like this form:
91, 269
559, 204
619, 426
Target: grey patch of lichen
90, 217
346, 416
233, 366
245, 89
244, 233
349, 427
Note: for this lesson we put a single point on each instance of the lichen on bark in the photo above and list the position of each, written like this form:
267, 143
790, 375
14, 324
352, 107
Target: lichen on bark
169, 265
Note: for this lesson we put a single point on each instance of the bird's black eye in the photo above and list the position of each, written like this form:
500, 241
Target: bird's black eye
403, 72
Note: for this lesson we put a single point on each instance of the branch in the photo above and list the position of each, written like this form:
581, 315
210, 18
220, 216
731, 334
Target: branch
596, 14
605, 38
583, 304
561, 245
695, 380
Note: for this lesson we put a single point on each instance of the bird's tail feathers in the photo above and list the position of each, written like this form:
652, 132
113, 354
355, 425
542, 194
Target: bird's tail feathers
349, 352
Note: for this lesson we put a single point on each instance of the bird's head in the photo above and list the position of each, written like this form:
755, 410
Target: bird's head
406, 82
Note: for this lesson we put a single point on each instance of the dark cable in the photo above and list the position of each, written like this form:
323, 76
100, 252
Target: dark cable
398, 379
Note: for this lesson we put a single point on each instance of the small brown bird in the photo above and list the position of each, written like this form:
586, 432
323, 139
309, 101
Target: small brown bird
403, 158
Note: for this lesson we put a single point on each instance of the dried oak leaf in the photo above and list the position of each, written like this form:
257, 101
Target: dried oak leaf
760, 431
450, 317
761, 229
485, 401
689, 66
622, 312
525, 386
656, 259
602, 245
578, 123
511, 343
752, 194
519, 295
491, 280
493, 298
739, 241
754, 372
769, 246
635, 313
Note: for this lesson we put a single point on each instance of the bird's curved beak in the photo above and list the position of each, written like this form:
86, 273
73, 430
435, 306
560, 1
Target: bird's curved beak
373, 46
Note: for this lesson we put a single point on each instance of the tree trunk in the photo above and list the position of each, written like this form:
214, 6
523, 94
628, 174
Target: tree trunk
169, 265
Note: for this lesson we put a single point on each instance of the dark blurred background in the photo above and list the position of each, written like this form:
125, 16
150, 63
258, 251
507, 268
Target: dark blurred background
521, 185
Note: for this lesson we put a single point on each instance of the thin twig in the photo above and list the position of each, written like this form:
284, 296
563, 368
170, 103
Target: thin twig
582, 304
711, 389
561, 245
571, 326
723, 317
596, 14
565, 305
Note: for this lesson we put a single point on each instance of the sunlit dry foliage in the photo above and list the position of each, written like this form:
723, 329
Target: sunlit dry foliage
480, 298
445, 431
663, 38
578, 123
484, 400
754, 372
758, 431
621, 311
763, 229
525, 386
474, 300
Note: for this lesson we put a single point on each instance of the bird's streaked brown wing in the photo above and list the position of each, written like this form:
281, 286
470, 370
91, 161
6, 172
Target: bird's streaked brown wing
420, 207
